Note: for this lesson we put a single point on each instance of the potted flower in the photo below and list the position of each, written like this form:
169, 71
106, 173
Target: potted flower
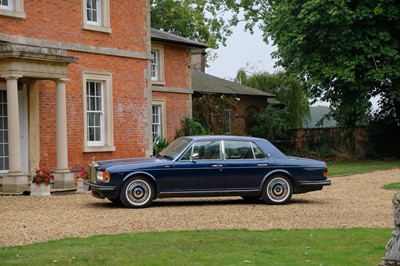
84, 175
41, 182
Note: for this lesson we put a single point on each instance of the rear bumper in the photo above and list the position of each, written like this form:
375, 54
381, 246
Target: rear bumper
311, 185
326, 182
101, 191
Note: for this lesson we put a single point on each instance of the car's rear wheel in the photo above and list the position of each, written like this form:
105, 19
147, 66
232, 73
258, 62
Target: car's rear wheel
278, 189
137, 192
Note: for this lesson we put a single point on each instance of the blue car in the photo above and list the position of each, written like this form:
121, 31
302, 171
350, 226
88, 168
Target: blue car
204, 166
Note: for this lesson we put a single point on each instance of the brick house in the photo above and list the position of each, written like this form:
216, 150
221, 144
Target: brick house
85, 78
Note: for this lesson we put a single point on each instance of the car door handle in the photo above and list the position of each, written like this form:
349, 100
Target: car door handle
262, 164
217, 165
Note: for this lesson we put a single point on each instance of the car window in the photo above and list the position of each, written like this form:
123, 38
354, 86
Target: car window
175, 148
257, 151
204, 150
238, 150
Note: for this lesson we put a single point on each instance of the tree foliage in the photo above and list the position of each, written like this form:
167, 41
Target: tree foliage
211, 112
288, 90
193, 19
346, 51
270, 123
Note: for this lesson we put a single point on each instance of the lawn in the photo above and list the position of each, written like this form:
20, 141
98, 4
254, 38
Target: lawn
354, 167
233, 247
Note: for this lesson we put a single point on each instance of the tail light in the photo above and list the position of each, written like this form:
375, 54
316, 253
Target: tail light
325, 172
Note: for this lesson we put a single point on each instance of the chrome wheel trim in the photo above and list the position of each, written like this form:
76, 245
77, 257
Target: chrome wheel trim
138, 192
278, 189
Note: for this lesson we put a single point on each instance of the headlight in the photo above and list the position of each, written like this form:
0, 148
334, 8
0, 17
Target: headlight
103, 176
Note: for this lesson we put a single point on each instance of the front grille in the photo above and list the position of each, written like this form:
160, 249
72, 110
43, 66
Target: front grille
92, 171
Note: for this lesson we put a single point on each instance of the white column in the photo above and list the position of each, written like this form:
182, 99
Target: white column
15, 181
13, 125
61, 126
63, 178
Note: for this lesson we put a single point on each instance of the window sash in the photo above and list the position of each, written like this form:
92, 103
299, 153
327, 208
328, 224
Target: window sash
93, 12
154, 62
95, 113
6, 4
156, 122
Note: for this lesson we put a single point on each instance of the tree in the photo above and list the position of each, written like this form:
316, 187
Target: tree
193, 19
346, 51
288, 90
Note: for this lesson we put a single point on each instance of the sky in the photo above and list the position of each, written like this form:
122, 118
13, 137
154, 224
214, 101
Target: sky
242, 50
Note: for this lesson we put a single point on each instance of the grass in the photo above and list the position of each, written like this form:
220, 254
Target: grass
354, 167
234, 247
395, 186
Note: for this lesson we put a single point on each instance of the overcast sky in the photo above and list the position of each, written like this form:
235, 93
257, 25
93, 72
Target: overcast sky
242, 49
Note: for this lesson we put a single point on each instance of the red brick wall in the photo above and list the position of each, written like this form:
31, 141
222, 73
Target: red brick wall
177, 75
177, 108
62, 21
129, 107
239, 115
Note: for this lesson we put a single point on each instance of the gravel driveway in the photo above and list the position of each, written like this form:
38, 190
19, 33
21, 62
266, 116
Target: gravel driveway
351, 201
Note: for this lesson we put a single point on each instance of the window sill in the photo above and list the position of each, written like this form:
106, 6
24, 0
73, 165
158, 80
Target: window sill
14, 14
98, 148
158, 82
97, 28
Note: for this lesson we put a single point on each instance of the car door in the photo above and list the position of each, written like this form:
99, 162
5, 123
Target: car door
245, 165
200, 168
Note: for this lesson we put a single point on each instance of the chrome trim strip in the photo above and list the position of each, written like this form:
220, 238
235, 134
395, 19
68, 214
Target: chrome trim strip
316, 183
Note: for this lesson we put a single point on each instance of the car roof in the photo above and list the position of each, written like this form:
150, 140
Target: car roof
223, 137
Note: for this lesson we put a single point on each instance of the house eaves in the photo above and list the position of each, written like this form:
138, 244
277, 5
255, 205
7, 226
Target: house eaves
208, 84
165, 37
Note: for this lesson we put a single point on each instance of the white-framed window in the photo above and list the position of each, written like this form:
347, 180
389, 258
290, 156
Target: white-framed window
96, 15
157, 64
4, 156
95, 112
158, 119
93, 12
12, 8
154, 62
6, 4
98, 116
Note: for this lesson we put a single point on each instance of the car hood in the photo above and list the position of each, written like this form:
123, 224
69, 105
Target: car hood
130, 162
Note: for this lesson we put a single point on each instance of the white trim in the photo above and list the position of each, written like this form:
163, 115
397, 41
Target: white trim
103, 25
15, 9
160, 79
107, 142
163, 123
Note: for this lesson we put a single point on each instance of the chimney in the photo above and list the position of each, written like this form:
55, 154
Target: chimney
199, 60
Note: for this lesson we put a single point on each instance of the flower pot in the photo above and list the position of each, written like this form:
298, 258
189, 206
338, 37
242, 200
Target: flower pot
79, 185
40, 189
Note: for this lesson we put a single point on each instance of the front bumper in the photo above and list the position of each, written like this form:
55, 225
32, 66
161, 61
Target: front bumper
101, 191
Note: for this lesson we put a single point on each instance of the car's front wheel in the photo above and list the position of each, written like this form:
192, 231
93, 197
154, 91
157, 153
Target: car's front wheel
137, 192
278, 189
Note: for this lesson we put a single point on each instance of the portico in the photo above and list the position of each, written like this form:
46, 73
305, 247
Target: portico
22, 67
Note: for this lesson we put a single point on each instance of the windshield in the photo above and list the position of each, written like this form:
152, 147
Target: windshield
175, 148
